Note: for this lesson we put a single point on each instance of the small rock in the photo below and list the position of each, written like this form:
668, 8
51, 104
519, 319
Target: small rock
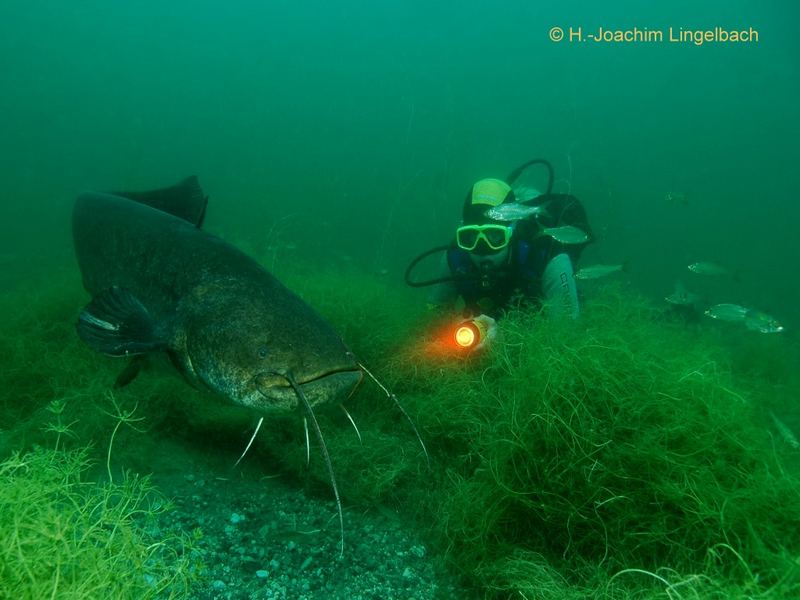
262, 574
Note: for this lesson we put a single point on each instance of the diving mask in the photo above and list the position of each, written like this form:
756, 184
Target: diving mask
495, 236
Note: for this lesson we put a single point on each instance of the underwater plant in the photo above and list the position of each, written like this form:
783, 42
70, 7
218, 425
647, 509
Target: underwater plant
623, 455
62, 536
615, 455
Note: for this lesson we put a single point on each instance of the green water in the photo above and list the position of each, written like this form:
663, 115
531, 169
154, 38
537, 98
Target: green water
367, 124
337, 141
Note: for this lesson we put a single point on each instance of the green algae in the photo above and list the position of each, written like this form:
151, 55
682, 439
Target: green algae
64, 536
576, 457
624, 455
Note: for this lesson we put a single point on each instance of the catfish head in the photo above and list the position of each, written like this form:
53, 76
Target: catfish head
253, 344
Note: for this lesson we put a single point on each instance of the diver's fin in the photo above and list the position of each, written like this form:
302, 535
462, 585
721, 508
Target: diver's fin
130, 372
117, 324
184, 200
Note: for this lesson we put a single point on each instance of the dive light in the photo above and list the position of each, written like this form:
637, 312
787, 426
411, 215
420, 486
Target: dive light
469, 333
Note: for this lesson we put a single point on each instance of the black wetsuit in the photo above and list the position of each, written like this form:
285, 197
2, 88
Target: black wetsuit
491, 290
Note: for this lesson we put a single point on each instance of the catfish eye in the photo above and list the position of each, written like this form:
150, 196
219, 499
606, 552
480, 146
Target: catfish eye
262, 352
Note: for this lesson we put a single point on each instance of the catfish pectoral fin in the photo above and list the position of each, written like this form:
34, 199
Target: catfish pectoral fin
130, 372
116, 323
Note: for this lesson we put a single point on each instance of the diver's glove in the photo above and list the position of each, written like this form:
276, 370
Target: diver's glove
490, 326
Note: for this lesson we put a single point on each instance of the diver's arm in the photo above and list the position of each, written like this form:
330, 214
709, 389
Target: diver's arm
558, 286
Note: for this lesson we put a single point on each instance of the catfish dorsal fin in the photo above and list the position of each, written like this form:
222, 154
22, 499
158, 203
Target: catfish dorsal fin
184, 200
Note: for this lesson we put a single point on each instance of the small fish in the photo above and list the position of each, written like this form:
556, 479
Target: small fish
755, 320
728, 312
676, 198
708, 268
567, 234
524, 193
597, 271
682, 297
514, 211
785, 432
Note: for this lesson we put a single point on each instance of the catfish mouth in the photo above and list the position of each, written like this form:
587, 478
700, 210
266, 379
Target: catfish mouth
332, 385
342, 374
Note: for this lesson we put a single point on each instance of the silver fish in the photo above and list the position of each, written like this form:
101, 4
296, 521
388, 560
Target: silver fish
755, 320
728, 312
514, 211
682, 297
524, 193
676, 198
566, 234
597, 271
785, 432
708, 268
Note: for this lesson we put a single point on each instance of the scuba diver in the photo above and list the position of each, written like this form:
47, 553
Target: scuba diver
515, 244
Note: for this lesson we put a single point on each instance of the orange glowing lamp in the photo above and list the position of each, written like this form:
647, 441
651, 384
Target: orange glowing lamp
469, 334
465, 336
